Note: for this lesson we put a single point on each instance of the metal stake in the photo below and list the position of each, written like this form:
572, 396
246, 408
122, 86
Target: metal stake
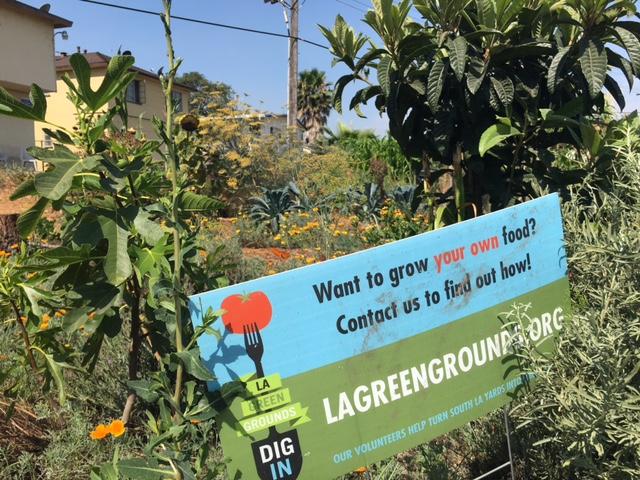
506, 425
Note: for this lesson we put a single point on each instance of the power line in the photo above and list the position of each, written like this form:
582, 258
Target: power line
205, 22
351, 6
365, 5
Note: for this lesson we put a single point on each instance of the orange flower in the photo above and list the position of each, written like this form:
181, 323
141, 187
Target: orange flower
46, 318
99, 433
361, 470
60, 313
91, 315
23, 319
117, 428
14, 246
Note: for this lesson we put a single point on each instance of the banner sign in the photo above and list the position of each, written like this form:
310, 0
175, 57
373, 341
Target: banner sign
334, 366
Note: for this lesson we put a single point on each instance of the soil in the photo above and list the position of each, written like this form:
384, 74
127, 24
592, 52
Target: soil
7, 207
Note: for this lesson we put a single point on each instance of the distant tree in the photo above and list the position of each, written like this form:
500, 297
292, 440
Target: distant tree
314, 103
208, 94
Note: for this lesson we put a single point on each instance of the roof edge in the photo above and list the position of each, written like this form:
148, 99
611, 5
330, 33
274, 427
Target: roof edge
56, 21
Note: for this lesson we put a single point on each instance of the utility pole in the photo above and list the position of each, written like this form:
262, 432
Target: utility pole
292, 19
292, 117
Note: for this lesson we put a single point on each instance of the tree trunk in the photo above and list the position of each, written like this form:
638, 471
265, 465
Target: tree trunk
8, 230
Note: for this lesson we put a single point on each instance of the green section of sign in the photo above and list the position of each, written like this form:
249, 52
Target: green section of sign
264, 385
266, 402
258, 423
375, 404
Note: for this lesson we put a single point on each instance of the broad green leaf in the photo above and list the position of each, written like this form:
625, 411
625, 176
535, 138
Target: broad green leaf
593, 62
495, 135
25, 189
632, 45
193, 364
28, 220
116, 79
504, 90
149, 230
194, 202
13, 107
117, 265
614, 90
555, 69
141, 469
435, 84
476, 75
384, 72
55, 370
35, 295
458, 56
55, 183
145, 389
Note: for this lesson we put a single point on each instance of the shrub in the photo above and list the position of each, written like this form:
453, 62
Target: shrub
581, 419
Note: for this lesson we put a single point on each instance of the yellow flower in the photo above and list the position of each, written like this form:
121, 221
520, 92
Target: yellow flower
60, 313
232, 183
310, 260
24, 320
31, 275
100, 432
117, 428
14, 246
271, 272
91, 315
202, 253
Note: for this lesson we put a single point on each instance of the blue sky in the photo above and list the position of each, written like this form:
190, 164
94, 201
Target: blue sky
252, 64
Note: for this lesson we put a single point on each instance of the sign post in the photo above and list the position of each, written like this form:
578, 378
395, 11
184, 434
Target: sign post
330, 367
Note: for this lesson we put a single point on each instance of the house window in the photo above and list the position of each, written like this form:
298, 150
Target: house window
26, 101
47, 142
177, 101
135, 92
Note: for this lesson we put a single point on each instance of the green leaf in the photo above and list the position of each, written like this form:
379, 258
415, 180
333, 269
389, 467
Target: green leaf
150, 231
555, 69
458, 56
140, 469
476, 75
632, 45
614, 90
145, 389
25, 189
28, 220
435, 84
13, 107
193, 364
117, 264
384, 74
115, 80
55, 370
504, 90
55, 183
593, 61
495, 135
194, 202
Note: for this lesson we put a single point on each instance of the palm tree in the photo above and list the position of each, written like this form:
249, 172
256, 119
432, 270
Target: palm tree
314, 103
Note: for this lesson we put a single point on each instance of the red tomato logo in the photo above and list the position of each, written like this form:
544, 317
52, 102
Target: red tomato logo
241, 310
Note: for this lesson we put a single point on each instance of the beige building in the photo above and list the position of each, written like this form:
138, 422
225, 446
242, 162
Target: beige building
26, 57
145, 97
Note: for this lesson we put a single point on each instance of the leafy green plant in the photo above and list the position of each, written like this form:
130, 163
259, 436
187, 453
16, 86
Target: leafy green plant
528, 74
272, 206
579, 419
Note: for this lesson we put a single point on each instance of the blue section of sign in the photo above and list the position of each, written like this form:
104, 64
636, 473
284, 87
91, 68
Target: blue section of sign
304, 333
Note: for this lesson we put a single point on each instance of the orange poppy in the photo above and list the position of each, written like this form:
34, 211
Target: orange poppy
117, 428
99, 433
